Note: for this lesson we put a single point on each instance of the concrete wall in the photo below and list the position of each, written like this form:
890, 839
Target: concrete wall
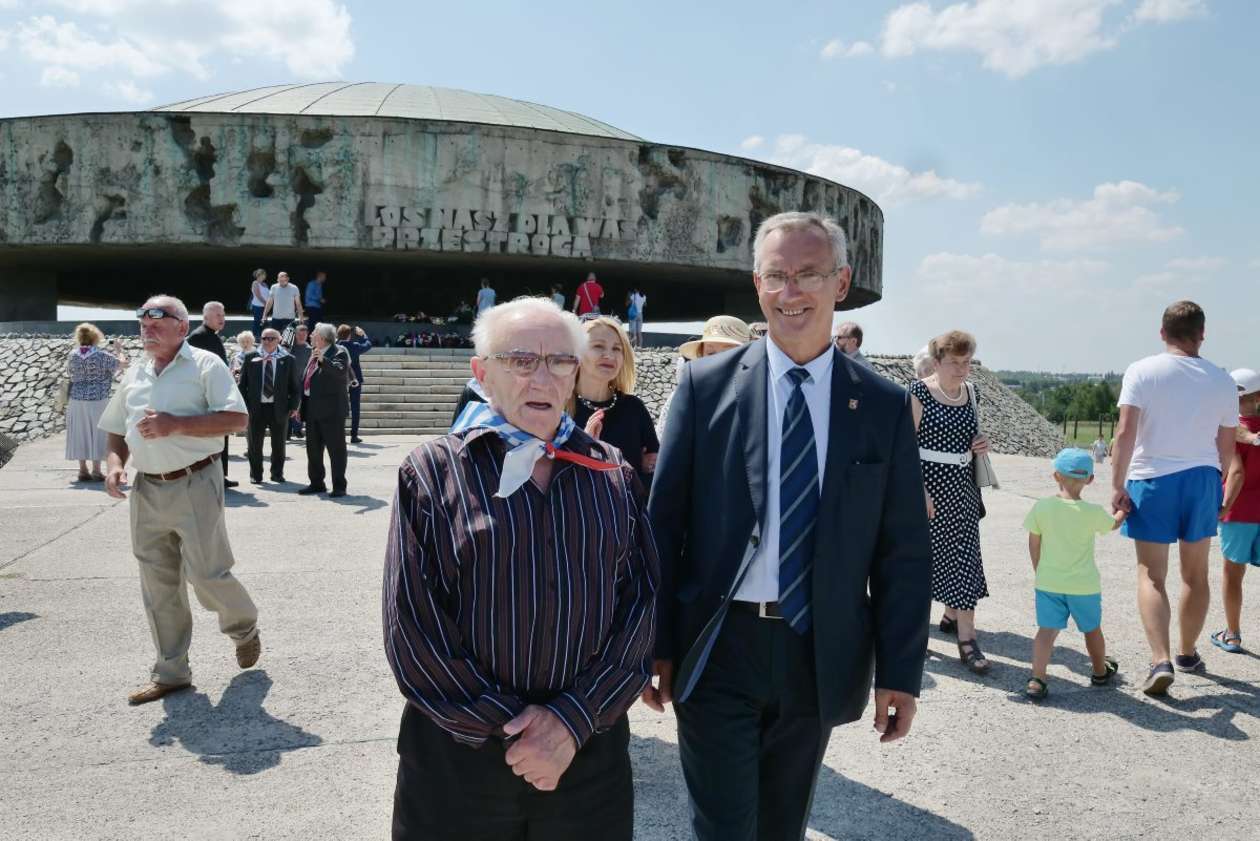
399, 186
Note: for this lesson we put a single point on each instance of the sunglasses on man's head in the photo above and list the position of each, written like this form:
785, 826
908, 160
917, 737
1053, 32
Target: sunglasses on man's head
155, 313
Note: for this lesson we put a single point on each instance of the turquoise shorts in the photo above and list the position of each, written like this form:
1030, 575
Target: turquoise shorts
1180, 506
1053, 610
1240, 543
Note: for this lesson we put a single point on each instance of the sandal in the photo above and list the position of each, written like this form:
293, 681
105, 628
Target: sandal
1227, 640
98, 477
1105, 678
1036, 689
84, 477
949, 626
972, 657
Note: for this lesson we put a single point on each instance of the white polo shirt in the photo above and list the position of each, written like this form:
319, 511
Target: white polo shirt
196, 382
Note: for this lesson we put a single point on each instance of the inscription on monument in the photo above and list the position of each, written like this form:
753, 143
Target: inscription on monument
474, 230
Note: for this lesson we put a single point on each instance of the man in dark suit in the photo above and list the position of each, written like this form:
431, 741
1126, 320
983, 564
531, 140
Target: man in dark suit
272, 386
301, 350
791, 522
206, 337
326, 383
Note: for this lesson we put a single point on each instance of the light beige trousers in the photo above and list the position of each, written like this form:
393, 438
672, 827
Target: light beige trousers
178, 532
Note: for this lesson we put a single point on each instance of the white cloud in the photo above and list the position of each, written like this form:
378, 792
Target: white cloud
836, 48
1014, 37
750, 143
59, 77
1166, 11
1117, 213
888, 183
129, 92
1197, 264
126, 40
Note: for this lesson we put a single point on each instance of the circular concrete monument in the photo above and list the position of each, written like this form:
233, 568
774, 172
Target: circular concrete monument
405, 195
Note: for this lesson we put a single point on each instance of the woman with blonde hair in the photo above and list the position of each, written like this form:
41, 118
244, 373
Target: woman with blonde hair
91, 372
245, 343
605, 403
949, 438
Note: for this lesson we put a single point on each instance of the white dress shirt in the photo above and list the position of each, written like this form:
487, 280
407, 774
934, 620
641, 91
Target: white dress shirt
761, 584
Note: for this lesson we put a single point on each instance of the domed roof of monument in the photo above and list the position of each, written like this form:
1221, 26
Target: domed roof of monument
411, 102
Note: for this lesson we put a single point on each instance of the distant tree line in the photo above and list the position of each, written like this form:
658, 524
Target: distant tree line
1061, 397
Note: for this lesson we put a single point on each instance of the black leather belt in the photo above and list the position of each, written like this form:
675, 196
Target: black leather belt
184, 471
764, 610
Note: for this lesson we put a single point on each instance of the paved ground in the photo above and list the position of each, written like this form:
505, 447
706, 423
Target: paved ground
302, 746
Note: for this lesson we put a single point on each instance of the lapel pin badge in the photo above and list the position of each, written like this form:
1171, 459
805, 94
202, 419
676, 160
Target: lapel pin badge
853, 403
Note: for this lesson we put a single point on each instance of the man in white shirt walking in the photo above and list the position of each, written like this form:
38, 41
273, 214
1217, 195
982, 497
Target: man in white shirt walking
1174, 440
168, 416
284, 304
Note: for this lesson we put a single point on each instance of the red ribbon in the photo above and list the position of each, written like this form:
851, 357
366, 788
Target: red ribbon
585, 461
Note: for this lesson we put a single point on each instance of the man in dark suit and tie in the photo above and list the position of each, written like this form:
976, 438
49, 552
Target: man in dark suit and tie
326, 384
206, 337
792, 528
272, 386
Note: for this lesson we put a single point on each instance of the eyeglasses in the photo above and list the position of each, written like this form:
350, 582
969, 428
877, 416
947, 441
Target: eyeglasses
524, 363
271, 338
155, 313
809, 281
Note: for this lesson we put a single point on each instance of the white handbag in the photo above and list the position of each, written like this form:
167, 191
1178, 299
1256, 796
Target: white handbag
981, 465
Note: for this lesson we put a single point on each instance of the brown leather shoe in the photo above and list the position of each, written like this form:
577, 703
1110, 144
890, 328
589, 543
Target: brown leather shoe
153, 691
247, 652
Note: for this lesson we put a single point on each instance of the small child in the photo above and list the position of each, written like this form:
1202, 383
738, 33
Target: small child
1240, 513
1061, 532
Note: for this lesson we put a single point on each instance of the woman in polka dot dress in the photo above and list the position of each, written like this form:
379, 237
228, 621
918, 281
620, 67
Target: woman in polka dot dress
949, 437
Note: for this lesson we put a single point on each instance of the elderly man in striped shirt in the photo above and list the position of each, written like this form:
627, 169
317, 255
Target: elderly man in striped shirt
519, 604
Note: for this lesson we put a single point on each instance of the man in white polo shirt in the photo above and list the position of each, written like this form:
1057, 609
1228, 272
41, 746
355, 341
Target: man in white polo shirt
169, 416
1174, 440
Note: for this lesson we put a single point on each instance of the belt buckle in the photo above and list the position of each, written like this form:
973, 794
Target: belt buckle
761, 611
963, 461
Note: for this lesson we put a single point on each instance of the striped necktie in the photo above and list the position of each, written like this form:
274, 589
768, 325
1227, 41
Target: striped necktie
798, 506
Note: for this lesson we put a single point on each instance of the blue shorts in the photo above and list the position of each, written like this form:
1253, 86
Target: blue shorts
1053, 610
1180, 506
1240, 543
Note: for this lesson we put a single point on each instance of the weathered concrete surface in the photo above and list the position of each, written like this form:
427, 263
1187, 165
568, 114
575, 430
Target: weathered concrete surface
302, 746
417, 190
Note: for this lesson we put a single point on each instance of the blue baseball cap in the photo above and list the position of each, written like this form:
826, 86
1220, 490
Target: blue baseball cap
1074, 463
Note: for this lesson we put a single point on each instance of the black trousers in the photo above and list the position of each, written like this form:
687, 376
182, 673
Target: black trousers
749, 735
225, 455
328, 433
356, 396
264, 420
447, 791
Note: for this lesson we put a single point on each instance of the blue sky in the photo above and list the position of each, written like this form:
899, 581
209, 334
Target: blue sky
1053, 172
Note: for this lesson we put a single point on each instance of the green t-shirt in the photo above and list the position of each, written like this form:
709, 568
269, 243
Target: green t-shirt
1067, 528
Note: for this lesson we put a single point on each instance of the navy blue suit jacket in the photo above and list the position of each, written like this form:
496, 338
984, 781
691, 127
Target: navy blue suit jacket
872, 557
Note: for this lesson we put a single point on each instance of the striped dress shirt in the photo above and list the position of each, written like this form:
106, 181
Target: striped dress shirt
492, 604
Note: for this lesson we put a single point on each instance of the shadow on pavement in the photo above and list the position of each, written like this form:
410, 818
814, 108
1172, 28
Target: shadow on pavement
363, 501
237, 733
1159, 715
7, 620
236, 498
842, 808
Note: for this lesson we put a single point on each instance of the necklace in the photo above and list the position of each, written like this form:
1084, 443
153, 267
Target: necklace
594, 407
954, 398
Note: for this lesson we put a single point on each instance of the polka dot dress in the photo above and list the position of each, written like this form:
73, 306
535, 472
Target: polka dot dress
957, 569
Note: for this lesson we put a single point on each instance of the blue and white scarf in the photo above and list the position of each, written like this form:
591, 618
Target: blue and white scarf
525, 449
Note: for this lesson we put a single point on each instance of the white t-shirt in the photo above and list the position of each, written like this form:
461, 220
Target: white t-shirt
638, 301
1184, 402
259, 293
284, 301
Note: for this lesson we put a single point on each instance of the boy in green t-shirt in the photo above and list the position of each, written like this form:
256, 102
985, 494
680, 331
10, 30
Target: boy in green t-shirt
1061, 532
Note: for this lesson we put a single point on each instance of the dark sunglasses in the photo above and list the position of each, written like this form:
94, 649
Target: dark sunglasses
271, 338
155, 313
